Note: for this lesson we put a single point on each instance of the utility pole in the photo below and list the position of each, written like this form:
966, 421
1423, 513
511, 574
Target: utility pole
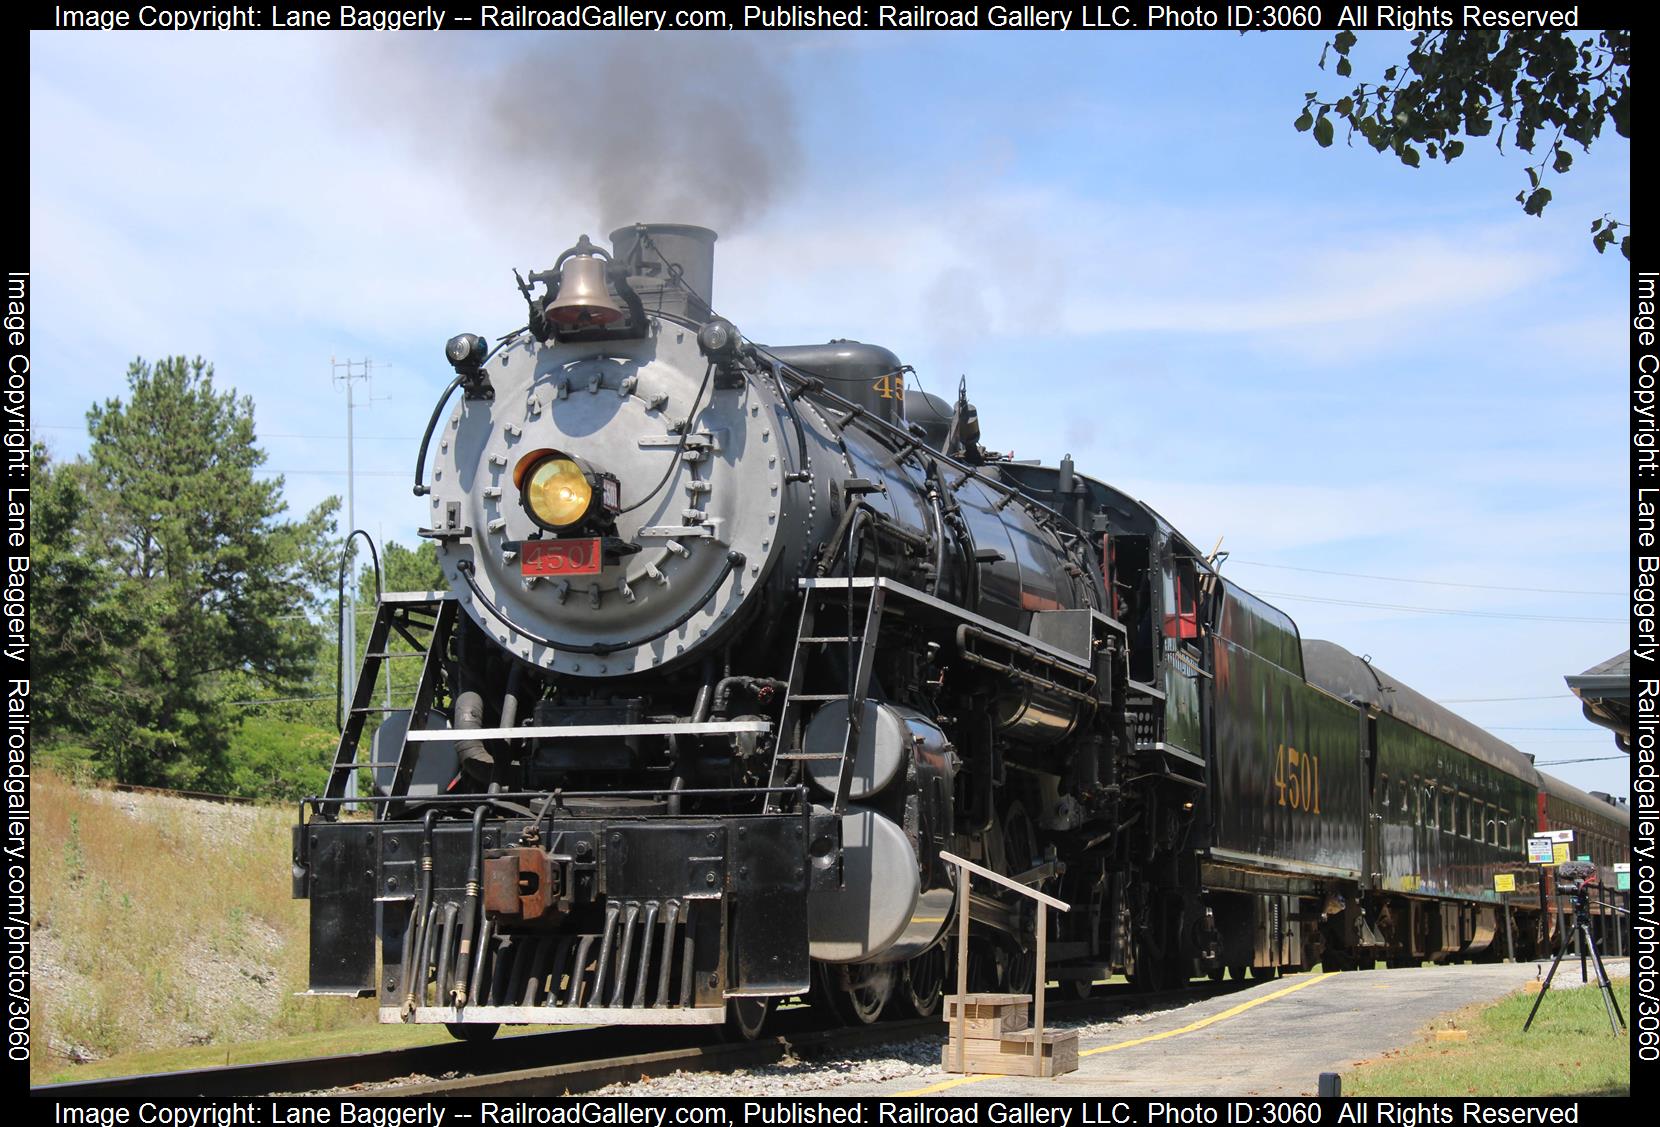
349, 372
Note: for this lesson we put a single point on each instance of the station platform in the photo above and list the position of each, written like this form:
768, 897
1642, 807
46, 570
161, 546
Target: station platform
1272, 1038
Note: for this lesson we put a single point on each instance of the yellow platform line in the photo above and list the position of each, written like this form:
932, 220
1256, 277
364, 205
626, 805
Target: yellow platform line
1191, 1027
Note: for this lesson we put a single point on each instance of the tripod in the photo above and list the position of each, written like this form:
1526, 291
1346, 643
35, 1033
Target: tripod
1582, 924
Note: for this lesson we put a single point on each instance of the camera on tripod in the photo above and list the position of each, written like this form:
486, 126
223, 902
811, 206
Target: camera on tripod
1573, 876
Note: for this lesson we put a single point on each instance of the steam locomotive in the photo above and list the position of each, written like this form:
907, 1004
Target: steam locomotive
739, 638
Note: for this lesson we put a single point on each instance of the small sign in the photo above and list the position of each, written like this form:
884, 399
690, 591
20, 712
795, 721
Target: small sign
1504, 882
1559, 853
560, 557
1539, 850
1622, 876
1583, 857
1564, 836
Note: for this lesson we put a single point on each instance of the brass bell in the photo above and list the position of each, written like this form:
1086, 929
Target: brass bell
583, 299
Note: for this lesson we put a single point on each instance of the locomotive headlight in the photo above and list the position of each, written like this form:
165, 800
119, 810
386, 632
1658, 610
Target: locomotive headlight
561, 492
558, 492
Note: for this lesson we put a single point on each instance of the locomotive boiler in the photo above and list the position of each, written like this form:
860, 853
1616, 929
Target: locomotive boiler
738, 638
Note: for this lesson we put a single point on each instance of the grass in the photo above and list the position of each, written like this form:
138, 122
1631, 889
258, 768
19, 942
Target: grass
328, 1043
1568, 1052
355, 1039
161, 924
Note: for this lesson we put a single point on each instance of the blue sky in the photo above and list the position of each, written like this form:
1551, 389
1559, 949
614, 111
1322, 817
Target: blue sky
1334, 362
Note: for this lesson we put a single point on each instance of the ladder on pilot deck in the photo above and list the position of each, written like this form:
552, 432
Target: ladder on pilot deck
804, 696
411, 614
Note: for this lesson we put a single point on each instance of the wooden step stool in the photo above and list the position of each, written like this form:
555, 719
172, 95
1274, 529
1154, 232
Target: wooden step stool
997, 1038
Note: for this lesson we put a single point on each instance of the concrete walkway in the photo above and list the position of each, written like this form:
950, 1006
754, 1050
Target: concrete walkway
1273, 1038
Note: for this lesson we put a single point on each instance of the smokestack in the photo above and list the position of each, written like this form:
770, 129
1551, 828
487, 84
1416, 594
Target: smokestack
670, 265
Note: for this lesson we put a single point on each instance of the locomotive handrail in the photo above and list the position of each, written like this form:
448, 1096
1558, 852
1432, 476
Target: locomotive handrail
421, 487
1023, 650
578, 731
469, 799
317, 802
958, 614
966, 869
1013, 492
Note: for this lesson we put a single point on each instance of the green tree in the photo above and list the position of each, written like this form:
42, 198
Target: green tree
194, 547
78, 622
278, 758
402, 569
1548, 89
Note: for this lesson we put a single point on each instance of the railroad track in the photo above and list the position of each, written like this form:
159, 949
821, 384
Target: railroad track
193, 795
568, 1061
578, 1077
316, 1073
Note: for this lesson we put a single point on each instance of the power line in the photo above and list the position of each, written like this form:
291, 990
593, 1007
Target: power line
1490, 700
1427, 582
1590, 759
1440, 610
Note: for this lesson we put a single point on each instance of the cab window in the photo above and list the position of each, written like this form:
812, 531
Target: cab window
1181, 600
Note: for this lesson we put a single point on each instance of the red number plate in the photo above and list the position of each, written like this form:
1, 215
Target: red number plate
560, 557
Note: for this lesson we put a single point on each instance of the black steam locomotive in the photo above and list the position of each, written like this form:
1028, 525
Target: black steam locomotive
739, 638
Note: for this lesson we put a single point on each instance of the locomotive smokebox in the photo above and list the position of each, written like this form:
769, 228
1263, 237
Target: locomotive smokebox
670, 265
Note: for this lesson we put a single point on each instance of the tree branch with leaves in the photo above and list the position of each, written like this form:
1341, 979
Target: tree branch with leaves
1546, 89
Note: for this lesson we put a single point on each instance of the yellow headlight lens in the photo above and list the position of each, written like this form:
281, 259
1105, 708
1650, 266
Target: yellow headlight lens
558, 492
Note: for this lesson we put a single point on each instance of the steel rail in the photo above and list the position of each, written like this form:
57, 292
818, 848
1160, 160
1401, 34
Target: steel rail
578, 1078
555, 1062
376, 1066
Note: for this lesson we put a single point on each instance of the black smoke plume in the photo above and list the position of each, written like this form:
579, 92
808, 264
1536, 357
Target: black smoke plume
638, 127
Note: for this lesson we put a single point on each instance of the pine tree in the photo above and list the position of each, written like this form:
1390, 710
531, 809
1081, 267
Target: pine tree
77, 620
211, 581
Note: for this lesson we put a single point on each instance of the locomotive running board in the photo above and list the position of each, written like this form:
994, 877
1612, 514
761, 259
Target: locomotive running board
957, 614
558, 1015
1292, 866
